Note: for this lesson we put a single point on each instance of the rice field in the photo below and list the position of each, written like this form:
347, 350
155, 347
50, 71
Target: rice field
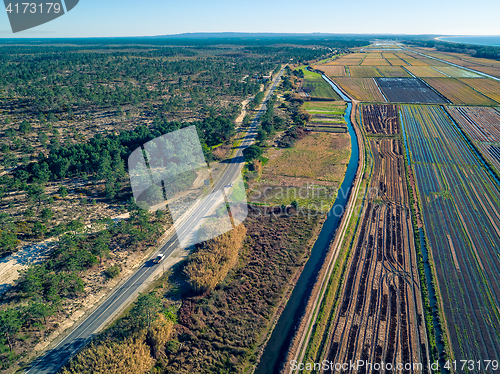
371, 55
394, 60
393, 72
486, 66
331, 70
426, 60
454, 72
495, 72
482, 125
362, 89
411, 60
408, 90
460, 207
488, 87
364, 72
457, 92
424, 72
375, 61
350, 59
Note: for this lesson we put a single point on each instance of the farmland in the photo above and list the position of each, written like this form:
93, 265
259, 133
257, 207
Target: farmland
332, 71
381, 119
364, 72
482, 125
454, 72
374, 314
488, 70
379, 316
487, 66
393, 71
362, 89
407, 90
394, 60
411, 60
326, 116
375, 61
457, 92
487, 87
311, 170
424, 71
315, 86
352, 59
459, 200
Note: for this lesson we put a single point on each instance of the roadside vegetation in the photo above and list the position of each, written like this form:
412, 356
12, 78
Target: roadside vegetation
79, 267
210, 329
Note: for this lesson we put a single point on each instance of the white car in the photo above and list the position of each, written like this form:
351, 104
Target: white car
159, 259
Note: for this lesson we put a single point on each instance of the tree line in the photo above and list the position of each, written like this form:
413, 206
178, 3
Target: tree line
480, 51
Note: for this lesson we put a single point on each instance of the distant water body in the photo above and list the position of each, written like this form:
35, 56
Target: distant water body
478, 40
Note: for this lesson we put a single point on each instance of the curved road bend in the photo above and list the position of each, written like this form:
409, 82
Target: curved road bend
58, 356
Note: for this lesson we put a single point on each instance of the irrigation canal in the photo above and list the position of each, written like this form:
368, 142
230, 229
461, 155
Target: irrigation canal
279, 343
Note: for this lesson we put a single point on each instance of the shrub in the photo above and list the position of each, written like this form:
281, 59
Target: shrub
252, 152
131, 356
210, 264
113, 271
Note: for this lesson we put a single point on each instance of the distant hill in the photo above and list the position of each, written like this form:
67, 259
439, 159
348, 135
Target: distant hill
216, 38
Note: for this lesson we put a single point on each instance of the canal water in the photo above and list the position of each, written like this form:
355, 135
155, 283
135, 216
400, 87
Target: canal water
277, 347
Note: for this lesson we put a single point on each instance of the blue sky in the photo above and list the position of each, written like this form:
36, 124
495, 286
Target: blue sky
160, 17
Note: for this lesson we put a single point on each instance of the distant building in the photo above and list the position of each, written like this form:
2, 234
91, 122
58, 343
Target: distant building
262, 77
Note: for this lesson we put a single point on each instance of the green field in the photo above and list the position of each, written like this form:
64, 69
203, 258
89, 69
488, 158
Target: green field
325, 107
316, 87
326, 115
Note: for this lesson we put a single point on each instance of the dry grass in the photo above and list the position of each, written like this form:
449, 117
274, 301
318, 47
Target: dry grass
317, 156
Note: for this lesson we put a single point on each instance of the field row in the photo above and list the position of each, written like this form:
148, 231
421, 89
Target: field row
460, 200
482, 125
326, 116
380, 119
457, 92
380, 316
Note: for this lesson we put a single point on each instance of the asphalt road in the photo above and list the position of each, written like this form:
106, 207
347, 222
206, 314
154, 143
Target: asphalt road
55, 358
